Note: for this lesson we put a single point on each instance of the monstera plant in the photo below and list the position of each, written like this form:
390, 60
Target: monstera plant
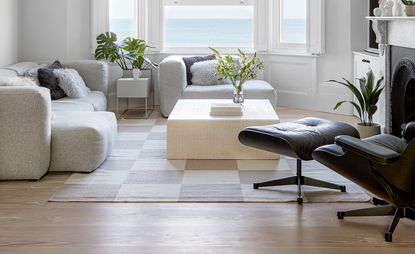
129, 54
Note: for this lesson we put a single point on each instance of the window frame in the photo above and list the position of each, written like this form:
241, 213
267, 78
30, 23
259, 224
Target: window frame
266, 20
197, 50
277, 21
136, 21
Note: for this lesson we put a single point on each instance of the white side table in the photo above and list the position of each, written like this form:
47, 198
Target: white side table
129, 88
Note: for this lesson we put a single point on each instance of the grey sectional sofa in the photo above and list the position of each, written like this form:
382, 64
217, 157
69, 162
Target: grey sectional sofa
39, 135
173, 86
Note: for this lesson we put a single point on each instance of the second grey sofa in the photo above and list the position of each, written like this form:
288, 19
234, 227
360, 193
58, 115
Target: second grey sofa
173, 87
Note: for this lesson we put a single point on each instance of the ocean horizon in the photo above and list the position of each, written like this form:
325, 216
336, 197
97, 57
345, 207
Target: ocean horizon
212, 33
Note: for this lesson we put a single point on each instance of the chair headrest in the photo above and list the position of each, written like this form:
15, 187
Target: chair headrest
408, 132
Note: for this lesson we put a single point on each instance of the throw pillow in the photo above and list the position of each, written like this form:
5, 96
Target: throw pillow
203, 74
189, 61
47, 79
71, 83
17, 81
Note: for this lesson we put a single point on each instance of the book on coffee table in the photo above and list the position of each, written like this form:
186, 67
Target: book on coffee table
226, 109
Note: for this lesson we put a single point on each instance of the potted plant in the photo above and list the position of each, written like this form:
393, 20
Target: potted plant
128, 54
409, 7
238, 71
367, 96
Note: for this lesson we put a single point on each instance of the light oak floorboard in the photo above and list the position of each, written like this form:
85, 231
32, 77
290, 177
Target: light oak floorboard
29, 224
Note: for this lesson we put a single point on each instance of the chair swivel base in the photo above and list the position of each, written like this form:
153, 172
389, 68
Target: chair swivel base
300, 180
382, 210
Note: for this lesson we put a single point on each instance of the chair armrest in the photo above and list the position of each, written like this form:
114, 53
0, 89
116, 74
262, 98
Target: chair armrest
408, 131
370, 151
94, 73
172, 82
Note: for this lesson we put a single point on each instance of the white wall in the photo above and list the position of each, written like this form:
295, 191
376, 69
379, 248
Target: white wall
55, 29
9, 32
60, 29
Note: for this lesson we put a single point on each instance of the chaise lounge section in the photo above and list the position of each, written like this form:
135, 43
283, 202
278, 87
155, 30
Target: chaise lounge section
38, 135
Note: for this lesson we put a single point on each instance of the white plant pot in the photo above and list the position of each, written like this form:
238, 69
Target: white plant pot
368, 131
127, 74
137, 73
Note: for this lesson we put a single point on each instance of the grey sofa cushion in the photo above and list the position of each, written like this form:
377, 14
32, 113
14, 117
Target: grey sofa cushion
6, 73
253, 89
71, 105
81, 140
94, 73
21, 68
95, 98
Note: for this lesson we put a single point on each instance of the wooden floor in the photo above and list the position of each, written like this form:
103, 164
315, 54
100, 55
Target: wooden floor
29, 224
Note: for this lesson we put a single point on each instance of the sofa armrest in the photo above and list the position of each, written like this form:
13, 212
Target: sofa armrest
172, 82
94, 73
373, 152
25, 132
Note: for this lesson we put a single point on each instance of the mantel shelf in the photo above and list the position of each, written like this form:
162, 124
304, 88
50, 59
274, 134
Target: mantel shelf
402, 18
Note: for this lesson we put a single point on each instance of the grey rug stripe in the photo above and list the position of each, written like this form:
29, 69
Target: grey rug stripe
138, 172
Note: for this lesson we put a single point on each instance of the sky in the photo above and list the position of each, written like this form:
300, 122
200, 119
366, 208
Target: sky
125, 9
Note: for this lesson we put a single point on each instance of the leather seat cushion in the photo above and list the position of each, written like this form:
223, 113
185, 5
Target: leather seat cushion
296, 139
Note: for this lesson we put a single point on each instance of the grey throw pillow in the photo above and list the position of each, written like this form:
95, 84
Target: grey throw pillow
189, 61
203, 74
71, 83
47, 79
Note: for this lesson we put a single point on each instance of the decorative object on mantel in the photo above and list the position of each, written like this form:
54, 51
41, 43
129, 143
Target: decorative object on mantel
386, 7
128, 54
226, 109
409, 7
397, 9
367, 97
238, 72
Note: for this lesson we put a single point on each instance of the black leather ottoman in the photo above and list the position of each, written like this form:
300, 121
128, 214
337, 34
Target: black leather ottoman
298, 140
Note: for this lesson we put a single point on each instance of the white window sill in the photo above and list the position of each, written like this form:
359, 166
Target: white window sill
169, 52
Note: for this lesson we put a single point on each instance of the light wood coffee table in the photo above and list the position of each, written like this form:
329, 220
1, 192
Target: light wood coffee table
193, 134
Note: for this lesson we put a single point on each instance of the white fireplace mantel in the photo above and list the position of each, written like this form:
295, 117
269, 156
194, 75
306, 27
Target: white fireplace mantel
397, 31
391, 31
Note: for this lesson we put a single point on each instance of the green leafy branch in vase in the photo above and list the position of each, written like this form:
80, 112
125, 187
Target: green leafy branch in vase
238, 71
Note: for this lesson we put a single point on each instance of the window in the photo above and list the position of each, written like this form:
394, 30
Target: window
189, 26
293, 21
220, 24
122, 16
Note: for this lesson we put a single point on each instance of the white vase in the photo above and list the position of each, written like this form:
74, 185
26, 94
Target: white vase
368, 131
136, 73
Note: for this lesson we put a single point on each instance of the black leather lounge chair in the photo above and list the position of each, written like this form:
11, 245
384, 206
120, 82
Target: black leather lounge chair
383, 165
298, 140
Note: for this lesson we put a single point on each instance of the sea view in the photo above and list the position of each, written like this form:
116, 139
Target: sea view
213, 33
